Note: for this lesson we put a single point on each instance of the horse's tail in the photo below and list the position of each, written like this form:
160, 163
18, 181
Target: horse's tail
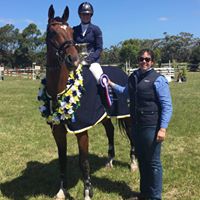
124, 125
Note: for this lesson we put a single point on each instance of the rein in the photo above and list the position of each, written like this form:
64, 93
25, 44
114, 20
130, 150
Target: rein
64, 46
59, 94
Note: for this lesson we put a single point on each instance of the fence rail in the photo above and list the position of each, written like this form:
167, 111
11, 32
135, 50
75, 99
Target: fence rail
29, 73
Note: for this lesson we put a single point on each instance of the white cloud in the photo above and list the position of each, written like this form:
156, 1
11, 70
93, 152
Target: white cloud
163, 19
29, 21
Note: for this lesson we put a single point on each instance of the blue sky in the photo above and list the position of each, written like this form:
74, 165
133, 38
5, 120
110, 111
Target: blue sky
119, 20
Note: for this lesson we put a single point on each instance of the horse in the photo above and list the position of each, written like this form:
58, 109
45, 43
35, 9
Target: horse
63, 97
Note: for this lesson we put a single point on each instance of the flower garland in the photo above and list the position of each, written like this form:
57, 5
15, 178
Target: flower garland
68, 101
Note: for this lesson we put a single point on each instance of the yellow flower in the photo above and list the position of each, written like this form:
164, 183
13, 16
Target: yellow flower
76, 99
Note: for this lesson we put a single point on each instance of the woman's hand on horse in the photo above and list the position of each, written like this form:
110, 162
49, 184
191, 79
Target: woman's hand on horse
110, 83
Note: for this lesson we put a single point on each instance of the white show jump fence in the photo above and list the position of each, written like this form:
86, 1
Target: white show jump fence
165, 69
29, 73
1, 73
168, 72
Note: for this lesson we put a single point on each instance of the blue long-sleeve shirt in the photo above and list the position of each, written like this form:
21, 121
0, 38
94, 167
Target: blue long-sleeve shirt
164, 96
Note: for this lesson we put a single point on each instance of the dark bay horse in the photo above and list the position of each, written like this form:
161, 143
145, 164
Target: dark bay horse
62, 95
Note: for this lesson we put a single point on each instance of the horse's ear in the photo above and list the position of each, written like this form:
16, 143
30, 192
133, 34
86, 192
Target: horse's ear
51, 13
65, 14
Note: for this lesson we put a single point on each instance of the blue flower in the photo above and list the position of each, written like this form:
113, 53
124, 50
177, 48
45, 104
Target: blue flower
66, 110
74, 93
66, 99
71, 82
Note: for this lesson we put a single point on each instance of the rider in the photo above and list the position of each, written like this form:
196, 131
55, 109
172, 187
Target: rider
86, 32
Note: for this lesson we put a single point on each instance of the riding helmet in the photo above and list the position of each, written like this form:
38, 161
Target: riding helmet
85, 7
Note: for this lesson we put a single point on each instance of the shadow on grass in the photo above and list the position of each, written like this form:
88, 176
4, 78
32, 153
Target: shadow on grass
42, 179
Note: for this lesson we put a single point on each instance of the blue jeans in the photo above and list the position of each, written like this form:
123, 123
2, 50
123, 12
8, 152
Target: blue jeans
148, 153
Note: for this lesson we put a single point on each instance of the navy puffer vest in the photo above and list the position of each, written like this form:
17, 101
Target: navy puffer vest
144, 104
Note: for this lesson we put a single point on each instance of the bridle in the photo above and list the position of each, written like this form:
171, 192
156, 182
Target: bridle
60, 50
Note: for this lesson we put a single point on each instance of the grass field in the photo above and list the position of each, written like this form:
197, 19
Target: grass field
28, 155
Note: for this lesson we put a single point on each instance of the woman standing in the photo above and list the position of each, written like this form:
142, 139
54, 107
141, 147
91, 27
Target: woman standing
151, 110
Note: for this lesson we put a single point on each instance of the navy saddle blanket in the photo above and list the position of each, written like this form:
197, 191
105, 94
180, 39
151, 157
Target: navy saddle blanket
92, 107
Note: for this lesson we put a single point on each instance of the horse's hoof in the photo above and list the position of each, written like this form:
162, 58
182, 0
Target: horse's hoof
88, 190
109, 164
134, 165
87, 195
61, 195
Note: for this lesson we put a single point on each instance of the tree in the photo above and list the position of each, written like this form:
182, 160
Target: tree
41, 51
129, 51
9, 43
176, 47
195, 58
29, 43
111, 56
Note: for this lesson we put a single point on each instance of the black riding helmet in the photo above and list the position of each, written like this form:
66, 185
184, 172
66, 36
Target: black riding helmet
85, 7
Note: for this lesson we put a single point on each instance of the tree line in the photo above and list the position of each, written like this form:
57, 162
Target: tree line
20, 49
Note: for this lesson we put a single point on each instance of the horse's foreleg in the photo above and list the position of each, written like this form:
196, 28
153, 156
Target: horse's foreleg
83, 143
59, 133
107, 123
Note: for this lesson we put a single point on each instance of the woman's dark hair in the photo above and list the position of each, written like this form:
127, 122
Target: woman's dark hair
149, 51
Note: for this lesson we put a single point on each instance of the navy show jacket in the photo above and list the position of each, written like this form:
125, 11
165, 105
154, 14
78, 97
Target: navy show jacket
93, 37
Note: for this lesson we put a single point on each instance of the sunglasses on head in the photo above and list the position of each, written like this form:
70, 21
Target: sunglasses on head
141, 59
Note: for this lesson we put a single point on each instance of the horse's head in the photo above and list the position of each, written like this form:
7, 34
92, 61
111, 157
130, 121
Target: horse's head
61, 50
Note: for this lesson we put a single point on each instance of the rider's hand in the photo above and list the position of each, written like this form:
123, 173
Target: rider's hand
88, 60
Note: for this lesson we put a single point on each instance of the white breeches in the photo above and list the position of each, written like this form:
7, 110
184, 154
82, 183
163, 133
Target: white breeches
96, 70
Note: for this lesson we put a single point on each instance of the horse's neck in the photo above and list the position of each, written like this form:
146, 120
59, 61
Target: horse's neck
56, 81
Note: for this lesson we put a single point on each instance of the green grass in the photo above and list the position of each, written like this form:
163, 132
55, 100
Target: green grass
28, 165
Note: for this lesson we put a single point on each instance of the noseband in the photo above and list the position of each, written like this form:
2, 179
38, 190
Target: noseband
60, 50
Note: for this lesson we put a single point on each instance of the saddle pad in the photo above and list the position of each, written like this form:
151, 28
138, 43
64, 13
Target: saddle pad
92, 109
